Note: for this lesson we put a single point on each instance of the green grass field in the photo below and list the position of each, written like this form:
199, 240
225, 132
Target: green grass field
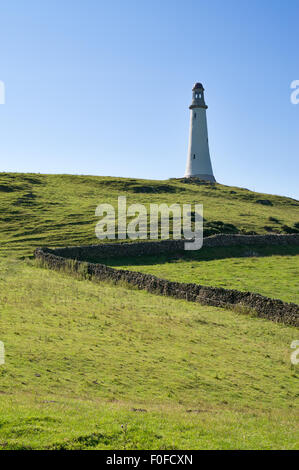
83, 358
98, 366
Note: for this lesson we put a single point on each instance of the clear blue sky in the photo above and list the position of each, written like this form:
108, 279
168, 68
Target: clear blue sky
103, 87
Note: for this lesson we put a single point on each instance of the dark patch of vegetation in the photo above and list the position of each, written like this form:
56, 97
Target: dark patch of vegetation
9, 188
274, 219
269, 228
27, 199
33, 180
6, 189
264, 202
287, 229
162, 188
217, 226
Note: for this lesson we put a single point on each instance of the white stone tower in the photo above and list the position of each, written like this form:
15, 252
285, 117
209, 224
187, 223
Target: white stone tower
198, 161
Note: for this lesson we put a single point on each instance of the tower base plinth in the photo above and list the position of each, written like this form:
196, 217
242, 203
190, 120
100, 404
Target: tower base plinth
203, 177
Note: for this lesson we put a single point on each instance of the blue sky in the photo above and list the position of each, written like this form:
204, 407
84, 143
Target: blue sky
100, 87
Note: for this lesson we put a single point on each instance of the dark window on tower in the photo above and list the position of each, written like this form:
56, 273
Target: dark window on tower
194, 115
193, 156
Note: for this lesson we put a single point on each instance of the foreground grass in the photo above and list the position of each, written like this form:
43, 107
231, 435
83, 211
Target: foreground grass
59, 210
263, 272
83, 359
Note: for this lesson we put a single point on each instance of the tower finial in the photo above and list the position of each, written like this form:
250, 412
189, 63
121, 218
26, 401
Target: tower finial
197, 86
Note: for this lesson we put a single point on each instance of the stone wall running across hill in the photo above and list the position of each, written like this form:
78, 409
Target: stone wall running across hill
120, 249
272, 309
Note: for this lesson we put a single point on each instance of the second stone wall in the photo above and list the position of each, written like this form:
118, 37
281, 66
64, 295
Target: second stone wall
120, 249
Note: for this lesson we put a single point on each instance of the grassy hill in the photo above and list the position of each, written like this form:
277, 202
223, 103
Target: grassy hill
94, 365
84, 359
59, 210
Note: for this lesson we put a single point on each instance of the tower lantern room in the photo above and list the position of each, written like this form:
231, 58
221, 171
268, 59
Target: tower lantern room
198, 99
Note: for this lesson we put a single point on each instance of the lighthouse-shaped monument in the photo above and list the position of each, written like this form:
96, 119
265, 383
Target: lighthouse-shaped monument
199, 161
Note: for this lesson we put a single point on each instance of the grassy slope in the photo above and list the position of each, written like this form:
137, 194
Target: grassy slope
57, 210
81, 356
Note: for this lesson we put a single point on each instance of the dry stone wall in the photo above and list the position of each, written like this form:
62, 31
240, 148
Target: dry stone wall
120, 249
264, 307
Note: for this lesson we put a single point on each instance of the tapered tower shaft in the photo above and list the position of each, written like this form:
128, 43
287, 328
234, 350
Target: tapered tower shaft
198, 160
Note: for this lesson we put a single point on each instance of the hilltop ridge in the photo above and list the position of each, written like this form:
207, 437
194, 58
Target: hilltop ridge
59, 210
